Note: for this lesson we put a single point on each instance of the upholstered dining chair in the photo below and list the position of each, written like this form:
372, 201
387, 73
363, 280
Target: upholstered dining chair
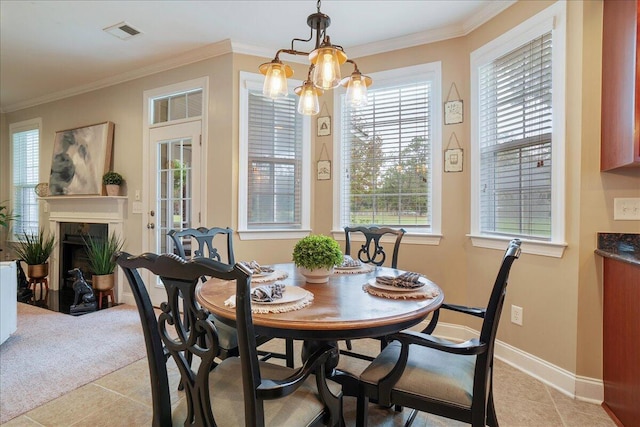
240, 390
372, 252
204, 239
452, 380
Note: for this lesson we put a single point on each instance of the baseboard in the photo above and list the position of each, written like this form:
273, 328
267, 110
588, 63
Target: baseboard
575, 386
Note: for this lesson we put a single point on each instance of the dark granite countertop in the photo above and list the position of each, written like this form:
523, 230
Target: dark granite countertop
620, 246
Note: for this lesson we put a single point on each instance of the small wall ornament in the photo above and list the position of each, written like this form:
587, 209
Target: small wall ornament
453, 109
324, 166
453, 157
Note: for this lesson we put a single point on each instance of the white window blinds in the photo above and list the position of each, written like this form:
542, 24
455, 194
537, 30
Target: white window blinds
386, 158
515, 128
275, 138
25, 176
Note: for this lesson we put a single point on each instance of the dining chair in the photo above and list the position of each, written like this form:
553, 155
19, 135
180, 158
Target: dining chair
372, 252
240, 390
425, 373
204, 239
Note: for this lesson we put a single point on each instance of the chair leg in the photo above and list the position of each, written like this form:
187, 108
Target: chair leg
289, 352
492, 418
362, 410
412, 417
349, 346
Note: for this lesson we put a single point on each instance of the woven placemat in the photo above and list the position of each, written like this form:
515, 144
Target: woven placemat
275, 308
276, 275
425, 292
364, 268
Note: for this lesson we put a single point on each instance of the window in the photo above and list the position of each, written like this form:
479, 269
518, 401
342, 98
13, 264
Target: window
25, 150
274, 166
178, 106
517, 134
389, 157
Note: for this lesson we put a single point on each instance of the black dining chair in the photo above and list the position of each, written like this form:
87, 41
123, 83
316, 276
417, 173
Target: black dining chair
372, 252
452, 380
240, 390
207, 243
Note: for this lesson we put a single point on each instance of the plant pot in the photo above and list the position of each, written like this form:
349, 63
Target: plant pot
102, 282
38, 271
317, 275
113, 190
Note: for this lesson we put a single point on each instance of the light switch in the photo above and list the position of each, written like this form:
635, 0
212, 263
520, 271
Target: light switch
136, 208
626, 209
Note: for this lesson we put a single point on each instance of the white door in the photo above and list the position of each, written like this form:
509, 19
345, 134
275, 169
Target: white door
174, 189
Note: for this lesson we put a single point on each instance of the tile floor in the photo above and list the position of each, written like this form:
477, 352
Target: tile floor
123, 398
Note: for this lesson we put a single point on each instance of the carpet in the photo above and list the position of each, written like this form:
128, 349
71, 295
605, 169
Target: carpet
52, 353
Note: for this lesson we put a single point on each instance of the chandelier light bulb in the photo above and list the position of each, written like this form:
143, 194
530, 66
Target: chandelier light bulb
326, 74
357, 92
275, 81
308, 104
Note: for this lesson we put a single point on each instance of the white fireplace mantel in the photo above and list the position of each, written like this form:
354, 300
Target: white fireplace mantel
111, 210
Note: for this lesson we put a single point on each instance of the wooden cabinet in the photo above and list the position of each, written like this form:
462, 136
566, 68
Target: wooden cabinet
620, 142
621, 340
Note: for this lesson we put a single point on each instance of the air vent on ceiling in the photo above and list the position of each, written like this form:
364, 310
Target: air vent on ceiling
123, 31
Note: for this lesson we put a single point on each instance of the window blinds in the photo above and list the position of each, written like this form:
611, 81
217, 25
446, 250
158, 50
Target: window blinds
515, 129
274, 163
386, 157
26, 172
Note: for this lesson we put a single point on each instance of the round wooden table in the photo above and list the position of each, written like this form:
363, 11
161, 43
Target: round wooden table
341, 310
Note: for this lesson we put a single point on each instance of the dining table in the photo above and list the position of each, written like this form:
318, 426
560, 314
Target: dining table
349, 306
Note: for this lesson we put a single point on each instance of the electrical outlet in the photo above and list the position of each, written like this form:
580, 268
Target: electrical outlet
516, 315
626, 209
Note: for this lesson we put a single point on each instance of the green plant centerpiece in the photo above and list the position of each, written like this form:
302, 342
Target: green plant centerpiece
35, 250
100, 253
112, 181
315, 256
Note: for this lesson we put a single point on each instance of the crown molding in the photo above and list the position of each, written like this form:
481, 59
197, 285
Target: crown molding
195, 55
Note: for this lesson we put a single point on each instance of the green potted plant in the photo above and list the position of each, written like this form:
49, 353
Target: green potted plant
112, 181
35, 250
315, 256
100, 252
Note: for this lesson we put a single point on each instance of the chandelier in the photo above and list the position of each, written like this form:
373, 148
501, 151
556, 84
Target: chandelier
323, 74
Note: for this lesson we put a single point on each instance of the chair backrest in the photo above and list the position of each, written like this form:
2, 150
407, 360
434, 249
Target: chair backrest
484, 363
183, 329
204, 237
372, 252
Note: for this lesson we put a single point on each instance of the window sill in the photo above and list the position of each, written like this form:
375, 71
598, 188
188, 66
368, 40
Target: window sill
276, 234
409, 237
534, 247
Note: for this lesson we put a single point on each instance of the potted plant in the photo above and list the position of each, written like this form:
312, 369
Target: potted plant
112, 181
35, 250
100, 252
315, 256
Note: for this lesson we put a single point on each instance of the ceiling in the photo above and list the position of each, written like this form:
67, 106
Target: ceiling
53, 49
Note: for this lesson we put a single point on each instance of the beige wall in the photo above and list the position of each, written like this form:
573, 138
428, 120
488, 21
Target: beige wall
561, 297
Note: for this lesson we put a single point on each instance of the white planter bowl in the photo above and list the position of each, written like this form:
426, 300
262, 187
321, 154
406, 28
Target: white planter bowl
317, 275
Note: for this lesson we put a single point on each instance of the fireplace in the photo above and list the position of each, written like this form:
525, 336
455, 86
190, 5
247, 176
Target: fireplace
69, 218
73, 249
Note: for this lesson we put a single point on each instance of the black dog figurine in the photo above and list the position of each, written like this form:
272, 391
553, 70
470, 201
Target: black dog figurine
82, 291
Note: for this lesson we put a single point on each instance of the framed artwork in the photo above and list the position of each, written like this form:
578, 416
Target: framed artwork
452, 112
324, 170
324, 126
453, 160
80, 157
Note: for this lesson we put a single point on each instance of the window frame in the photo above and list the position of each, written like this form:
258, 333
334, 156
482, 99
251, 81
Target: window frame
18, 127
253, 81
552, 19
431, 71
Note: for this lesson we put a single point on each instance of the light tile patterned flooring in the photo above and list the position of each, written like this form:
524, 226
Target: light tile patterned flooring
123, 398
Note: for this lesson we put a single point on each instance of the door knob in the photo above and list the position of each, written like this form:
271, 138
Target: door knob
151, 225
